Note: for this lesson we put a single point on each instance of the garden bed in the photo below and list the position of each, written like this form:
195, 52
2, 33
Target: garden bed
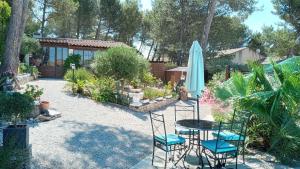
149, 106
25, 78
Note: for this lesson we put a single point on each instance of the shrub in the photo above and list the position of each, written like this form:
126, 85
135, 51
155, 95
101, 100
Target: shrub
144, 67
168, 88
15, 106
148, 79
33, 91
103, 90
82, 78
120, 63
80, 74
72, 59
216, 80
30, 45
135, 83
275, 120
170, 65
153, 93
23, 68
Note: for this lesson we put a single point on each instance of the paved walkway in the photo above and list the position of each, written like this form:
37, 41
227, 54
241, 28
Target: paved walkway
89, 134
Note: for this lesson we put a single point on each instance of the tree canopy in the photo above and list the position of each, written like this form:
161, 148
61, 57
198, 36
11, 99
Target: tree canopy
289, 10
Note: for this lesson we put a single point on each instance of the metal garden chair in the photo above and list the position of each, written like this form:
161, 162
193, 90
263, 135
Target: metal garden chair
167, 142
220, 150
231, 134
186, 111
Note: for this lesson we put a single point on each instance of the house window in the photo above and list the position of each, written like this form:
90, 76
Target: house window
65, 53
88, 57
59, 56
51, 60
79, 52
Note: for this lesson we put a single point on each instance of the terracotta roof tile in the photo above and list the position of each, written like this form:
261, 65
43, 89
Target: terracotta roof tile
82, 42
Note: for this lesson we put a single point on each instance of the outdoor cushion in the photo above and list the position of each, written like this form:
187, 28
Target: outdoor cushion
223, 146
172, 139
184, 131
229, 136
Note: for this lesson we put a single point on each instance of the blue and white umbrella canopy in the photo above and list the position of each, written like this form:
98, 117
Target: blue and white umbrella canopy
195, 73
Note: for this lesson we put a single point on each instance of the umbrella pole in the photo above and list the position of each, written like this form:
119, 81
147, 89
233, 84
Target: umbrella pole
198, 113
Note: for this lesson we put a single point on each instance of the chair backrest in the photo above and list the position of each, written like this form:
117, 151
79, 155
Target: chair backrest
239, 127
184, 112
244, 116
158, 126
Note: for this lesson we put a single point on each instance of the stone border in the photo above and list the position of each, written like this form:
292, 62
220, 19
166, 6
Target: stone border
148, 107
25, 78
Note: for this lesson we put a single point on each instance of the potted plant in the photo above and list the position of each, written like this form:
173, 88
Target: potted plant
15, 108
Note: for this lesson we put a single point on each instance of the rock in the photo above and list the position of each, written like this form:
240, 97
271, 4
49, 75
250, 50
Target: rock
159, 99
146, 101
168, 97
135, 90
152, 101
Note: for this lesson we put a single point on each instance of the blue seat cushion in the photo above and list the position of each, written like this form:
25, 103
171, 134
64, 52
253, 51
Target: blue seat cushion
223, 146
172, 139
184, 131
229, 136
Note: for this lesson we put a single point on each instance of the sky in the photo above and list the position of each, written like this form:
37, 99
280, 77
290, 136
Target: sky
255, 21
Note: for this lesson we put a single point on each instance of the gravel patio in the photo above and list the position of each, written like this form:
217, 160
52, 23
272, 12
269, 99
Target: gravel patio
89, 134
93, 135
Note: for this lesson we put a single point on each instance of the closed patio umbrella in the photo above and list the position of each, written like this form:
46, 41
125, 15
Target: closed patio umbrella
195, 73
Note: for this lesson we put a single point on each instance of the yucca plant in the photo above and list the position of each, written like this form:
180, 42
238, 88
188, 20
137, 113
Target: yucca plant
274, 101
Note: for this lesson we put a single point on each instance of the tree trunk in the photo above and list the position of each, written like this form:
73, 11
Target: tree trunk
141, 46
78, 24
44, 18
148, 57
98, 30
209, 19
106, 35
14, 36
155, 50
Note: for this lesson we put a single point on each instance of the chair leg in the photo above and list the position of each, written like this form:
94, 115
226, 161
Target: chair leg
153, 153
166, 159
236, 161
243, 152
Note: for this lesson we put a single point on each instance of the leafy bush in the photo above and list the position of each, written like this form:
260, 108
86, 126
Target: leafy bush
80, 74
275, 121
81, 79
216, 80
168, 88
170, 65
215, 65
120, 63
33, 91
12, 157
72, 59
24, 68
103, 90
15, 106
30, 45
153, 93
144, 67
148, 79
135, 83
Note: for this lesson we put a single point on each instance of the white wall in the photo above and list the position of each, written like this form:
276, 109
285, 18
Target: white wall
246, 55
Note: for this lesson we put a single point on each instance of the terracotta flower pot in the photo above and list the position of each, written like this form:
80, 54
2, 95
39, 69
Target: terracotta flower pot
44, 105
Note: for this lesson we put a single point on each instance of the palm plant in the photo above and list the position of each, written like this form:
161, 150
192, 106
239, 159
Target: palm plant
274, 101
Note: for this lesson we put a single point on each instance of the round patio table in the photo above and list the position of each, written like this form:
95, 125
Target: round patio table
196, 125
